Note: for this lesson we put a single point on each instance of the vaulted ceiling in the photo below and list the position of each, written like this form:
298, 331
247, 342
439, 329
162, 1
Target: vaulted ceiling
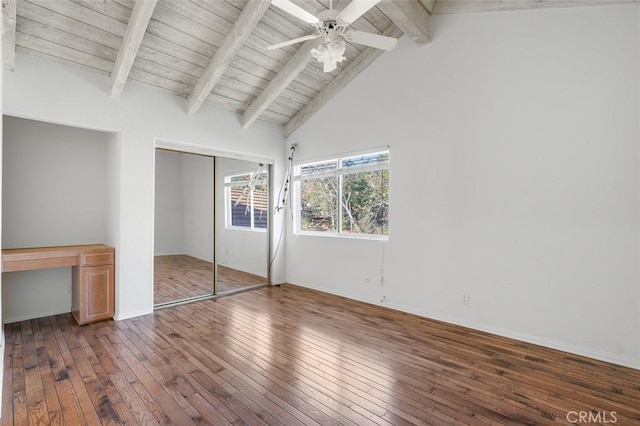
216, 50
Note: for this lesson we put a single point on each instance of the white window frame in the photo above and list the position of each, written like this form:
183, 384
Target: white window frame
339, 171
229, 204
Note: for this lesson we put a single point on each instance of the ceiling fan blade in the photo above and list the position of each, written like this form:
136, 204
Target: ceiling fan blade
295, 10
372, 40
355, 9
294, 41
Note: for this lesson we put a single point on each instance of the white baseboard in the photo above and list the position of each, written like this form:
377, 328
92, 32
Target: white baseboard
536, 340
528, 338
127, 315
35, 315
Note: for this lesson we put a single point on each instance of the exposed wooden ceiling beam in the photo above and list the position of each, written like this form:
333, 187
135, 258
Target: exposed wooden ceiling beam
443, 7
131, 41
410, 16
241, 30
280, 82
366, 58
9, 34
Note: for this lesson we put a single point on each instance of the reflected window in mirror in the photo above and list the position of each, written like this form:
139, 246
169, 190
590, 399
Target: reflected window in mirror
246, 200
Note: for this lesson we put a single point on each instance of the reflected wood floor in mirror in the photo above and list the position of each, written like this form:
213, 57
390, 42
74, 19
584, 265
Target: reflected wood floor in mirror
291, 356
179, 277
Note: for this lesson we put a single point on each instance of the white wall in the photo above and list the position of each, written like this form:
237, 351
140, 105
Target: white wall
184, 205
53, 194
514, 177
49, 91
197, 187
169, 205
240, 249
54, 184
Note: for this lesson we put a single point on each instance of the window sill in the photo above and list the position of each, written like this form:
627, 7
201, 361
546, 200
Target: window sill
346, 236
245, 229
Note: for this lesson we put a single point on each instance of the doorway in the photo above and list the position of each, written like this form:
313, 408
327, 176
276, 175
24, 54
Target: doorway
211, 226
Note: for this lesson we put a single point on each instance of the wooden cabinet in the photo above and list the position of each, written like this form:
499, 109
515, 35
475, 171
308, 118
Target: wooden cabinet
93, 289
93, 275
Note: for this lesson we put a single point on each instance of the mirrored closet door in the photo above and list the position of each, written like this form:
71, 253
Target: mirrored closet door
211, 226
184, 227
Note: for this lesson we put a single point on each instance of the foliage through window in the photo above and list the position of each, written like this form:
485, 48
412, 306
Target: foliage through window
247, 200
347, 195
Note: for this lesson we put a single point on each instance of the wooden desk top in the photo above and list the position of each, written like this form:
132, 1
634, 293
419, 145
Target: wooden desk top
25, 259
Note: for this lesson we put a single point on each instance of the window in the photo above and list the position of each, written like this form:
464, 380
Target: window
345, 196
247, 200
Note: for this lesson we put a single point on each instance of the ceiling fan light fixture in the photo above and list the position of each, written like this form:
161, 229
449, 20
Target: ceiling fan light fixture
330, 52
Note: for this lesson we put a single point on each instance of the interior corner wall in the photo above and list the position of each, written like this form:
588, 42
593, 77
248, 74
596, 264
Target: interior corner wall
241, 249
49, 91
49, 201
514, 178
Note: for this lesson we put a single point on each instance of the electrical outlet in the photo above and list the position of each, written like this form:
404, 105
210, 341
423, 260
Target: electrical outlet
68, 288
466, 298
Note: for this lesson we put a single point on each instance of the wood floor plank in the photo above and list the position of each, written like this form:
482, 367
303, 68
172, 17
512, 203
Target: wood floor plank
73, 376
202, 359
293, 392
360, 385
7, 386
178, 277
53, 404
147, 386
318, 377
19, 385
289, 355
343, 359
62, 398
112, 399
180, 363
371, 356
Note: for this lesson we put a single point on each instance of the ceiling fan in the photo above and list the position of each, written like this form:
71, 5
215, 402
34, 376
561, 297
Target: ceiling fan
333, 27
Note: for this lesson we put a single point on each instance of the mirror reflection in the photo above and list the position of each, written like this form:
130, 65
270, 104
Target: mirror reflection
242, 237
183, 244
211, 226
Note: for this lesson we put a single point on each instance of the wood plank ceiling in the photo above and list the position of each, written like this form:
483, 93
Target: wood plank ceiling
216, 50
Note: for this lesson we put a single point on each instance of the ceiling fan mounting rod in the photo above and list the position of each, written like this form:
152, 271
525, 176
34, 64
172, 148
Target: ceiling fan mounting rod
329, 29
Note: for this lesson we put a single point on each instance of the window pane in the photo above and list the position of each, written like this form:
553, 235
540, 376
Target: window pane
365, 160
310, 169
365, 202
240, 213
319, 204
239, 178
260, 206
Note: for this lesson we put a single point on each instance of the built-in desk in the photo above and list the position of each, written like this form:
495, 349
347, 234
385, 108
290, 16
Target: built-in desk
93, 275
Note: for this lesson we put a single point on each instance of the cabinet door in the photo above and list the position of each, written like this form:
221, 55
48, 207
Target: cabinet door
96, 294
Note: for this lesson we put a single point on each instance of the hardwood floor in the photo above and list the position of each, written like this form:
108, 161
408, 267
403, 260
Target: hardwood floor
288, 355
180, 277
